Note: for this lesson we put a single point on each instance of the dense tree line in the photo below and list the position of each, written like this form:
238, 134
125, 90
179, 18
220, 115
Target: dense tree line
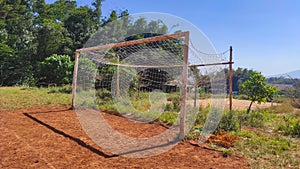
36, 38
31, 30
240, 75
283, 80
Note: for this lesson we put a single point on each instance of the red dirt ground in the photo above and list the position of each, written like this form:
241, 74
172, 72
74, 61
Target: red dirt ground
51, 137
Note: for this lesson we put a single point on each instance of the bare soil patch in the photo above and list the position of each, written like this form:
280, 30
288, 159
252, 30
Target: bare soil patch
51, 137
241, 104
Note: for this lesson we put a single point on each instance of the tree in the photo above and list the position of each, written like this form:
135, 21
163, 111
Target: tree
257, 89
16, 41
80, 26
97, 11
52, 38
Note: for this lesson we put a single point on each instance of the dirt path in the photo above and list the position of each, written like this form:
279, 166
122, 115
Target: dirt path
240, 104
51, 137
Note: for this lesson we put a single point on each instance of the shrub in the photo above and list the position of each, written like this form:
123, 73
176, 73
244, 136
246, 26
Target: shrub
290, 126
229, 122
202, 115
168, 118
252, 119
169, 107
87, 71
103, 94
62, 89
57, 69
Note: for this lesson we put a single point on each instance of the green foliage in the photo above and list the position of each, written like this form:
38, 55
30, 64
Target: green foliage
252, 119
229, 122
87, 71
175, 101
282, 80
257, 89
16, 98
290, 125
61, 89
30, 31
267, 151
56, 69
52, 38
168, 118
80, 25
16, 42
202, 115
103, 94
240, 75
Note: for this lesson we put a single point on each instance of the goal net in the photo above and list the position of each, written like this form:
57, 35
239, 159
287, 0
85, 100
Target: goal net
157, 78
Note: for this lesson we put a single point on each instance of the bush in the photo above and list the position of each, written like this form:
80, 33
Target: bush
174, 98
87, 71
63, 89
103, 94
168, 118
202, 115
169, 107
290, 126
57, 69
229, 122
252, 119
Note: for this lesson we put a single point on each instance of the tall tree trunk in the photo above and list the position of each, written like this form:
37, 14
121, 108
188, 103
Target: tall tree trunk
249, 108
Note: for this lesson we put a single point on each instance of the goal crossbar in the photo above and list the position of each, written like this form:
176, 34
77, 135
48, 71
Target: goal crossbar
134, 42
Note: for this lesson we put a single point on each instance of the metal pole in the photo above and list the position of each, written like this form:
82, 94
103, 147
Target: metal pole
184, 86
118, 77
230, 80
74, 83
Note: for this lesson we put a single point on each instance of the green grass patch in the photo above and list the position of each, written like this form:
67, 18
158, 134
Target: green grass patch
267, 150
12, 98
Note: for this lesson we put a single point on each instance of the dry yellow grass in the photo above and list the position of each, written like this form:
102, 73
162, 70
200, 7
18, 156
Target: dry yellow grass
239, 104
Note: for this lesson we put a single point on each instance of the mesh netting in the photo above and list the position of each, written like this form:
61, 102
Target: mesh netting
143, 81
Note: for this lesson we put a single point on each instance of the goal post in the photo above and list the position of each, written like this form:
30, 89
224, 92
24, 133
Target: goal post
161, 70
184, 66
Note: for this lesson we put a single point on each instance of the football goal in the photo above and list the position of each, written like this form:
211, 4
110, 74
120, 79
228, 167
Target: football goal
146, 79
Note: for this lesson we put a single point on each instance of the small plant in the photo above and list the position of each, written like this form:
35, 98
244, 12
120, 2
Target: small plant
202, 115
103, 94
61, 89
174, 98
290, 126
227, 152
169, 107
253, 119
229, 122
168, 118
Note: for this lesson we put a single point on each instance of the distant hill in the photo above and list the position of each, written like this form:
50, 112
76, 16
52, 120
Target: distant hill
294, 74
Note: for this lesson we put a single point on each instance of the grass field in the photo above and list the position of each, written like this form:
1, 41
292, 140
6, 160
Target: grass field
266, 137
12, 98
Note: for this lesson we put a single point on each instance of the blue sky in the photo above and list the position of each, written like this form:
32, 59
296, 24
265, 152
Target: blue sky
265, 34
